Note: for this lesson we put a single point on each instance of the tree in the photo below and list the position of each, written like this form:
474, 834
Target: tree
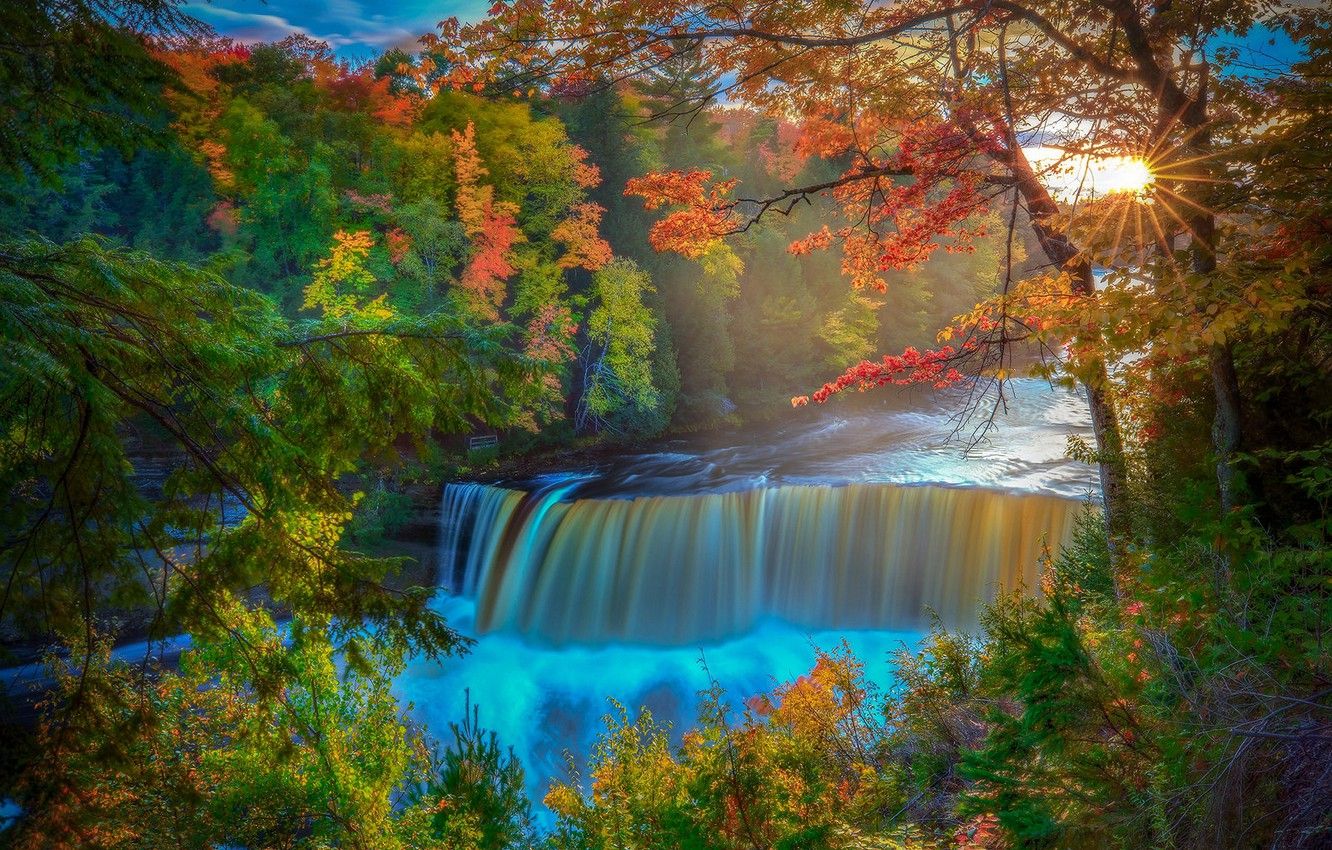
619, 393
490, 225
81, 71
107, 344
265, 416
202, 755
803, 766
928, 151
479, 788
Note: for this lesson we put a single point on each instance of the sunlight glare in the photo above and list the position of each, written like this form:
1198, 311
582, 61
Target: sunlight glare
1069, 176
1120, 174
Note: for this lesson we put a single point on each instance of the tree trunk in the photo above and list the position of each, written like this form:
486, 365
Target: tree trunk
1175, 104
1220, 355
1226, 424
1226, 430
1059, 249
1062, 253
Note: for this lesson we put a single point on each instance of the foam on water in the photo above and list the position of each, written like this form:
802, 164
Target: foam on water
545, 701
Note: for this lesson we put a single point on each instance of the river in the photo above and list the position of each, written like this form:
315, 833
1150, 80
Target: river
732, 555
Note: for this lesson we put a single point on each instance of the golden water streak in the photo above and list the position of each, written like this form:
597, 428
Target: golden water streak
682, 569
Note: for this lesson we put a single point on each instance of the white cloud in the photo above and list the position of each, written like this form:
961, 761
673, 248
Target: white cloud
343, 24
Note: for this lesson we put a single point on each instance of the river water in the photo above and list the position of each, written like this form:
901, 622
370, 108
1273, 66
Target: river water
732, 556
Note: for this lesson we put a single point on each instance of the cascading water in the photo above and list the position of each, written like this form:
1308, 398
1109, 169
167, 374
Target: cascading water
682, 569
746, 548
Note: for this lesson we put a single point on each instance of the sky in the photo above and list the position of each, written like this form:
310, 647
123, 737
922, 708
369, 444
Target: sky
355, 29
362, 29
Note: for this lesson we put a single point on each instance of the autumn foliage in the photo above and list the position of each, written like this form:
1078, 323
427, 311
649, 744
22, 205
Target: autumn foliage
490, 225
304, 280
703, 217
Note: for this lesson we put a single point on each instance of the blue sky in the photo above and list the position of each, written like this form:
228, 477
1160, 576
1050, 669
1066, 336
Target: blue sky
356, 29
361, 29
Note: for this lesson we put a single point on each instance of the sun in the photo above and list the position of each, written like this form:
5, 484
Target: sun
1071, 177
1120, 174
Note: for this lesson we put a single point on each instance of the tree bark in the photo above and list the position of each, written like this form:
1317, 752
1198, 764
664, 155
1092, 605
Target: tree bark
1061, 252
1175, 104
1226, 425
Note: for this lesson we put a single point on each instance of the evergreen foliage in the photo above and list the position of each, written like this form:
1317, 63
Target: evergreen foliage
291, 281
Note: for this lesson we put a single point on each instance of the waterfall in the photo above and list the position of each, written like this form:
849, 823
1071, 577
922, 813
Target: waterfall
688, 568
468, 517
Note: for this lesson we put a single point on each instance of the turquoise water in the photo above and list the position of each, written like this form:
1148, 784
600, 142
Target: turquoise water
548, 702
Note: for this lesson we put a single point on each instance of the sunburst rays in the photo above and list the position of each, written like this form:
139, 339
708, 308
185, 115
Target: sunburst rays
1144, 206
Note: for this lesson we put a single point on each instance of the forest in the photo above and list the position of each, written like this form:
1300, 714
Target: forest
263, 300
